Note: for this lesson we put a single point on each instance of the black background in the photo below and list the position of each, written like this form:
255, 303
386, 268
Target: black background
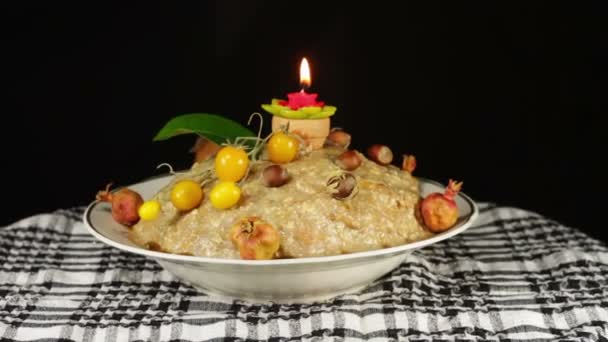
507, 98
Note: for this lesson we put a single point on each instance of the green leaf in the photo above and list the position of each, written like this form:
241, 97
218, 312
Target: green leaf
213, 127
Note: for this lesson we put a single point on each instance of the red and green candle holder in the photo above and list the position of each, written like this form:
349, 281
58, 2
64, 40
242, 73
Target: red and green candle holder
304, 115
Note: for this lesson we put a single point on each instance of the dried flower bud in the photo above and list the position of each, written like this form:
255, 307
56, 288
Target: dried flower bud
439, 210
255, 239
125, 204
409, 163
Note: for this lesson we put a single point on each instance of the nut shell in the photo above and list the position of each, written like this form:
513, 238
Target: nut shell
274, 176
343, 186
338, 138
349, 160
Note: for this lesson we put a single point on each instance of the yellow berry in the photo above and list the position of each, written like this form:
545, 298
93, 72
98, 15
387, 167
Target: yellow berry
149, 210
282, 148
186, 195
231, 164
225, 195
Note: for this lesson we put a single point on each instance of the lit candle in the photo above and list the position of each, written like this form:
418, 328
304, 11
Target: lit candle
301, 112
301, 99
301, 105
304, 74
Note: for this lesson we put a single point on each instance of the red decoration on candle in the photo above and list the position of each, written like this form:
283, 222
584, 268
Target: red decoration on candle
301, 99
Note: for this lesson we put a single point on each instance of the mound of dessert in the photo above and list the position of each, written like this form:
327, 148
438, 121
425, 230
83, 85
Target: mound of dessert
282, 197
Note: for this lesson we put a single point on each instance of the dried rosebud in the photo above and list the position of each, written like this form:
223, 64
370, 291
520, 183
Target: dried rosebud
274, 176
338, 138
255, 238
380, 154
409, 163
349, 160
125, 204
343, 186
439, 210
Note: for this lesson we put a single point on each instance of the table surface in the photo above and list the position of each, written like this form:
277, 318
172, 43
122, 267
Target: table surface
514, 276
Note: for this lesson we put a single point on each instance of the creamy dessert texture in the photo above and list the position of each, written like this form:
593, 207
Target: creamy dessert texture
309, 220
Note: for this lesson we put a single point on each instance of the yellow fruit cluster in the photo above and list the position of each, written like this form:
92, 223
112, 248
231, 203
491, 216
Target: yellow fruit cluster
231, 165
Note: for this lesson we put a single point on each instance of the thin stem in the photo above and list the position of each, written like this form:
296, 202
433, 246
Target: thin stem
256, 114
259, 142
170, 168
258, 147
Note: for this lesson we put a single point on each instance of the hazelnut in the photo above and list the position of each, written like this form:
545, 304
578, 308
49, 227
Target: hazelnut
204, 149
274, 176
343, 186
338, 138
349, 160
381, 154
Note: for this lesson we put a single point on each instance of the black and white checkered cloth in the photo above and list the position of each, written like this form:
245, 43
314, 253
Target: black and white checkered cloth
515, 276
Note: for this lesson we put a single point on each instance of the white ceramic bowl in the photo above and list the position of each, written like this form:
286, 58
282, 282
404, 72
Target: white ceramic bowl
287, 280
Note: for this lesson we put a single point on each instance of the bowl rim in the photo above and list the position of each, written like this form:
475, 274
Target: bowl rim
468, 220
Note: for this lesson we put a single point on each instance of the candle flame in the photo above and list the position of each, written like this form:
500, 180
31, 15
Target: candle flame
304, 74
